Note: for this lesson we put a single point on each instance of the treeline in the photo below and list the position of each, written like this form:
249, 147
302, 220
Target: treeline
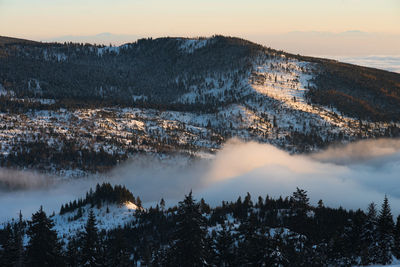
9, 104
266, 232
41, 156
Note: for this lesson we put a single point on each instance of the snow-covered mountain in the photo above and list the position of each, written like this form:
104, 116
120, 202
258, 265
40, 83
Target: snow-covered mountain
75, 109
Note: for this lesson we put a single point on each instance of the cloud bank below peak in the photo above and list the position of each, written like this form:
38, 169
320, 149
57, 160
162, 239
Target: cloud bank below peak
351, 176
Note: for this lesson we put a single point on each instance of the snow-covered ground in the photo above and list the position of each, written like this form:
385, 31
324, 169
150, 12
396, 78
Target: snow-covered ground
108, 49
190, 45
287, 81
108, 216
267, 105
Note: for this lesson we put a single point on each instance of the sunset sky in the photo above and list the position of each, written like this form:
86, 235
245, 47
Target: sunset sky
253, 19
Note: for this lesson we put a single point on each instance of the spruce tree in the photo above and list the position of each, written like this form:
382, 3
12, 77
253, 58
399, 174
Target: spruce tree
13, 252
277, 258
117, 249
90, 242
138, 202
369, 237
44, 248
300, 206
385, 233
8, 251
162, 204
72, 256
396, 234
224, 248
300, 199
204, 207
19, 243
252, 249
188, 247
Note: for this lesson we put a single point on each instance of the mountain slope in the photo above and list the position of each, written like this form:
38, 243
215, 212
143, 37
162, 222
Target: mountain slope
4, 40
160, 71
69, 108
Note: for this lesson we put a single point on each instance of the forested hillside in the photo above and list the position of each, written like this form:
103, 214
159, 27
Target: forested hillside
74, 109
159, 71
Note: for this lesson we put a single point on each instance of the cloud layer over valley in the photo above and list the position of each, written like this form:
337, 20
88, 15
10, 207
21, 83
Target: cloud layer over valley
350, 176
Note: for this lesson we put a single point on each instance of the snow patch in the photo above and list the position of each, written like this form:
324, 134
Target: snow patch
3, 91
108, 49
108, 216
130, 206
53, 55
34, 86
190, 45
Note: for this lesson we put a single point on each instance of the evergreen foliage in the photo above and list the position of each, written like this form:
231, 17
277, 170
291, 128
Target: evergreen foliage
396, 237
385, 232
103, 193
90, 243
44, 247
188, 247
239, 233
369, 237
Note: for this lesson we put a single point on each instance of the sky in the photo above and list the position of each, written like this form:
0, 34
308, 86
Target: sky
328, 26
292, 25
49, 18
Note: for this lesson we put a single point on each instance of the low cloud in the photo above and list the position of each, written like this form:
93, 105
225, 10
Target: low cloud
350, 176
390, 63
345, 44
11, 180
366, 151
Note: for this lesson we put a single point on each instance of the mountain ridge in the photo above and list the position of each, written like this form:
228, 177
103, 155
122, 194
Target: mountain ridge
116, 82
85, 107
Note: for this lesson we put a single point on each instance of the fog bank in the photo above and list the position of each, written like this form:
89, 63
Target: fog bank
351, 176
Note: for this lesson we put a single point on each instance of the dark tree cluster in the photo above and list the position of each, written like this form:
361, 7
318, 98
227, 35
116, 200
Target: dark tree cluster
66, 155
104, 192
266, 232
158, 69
